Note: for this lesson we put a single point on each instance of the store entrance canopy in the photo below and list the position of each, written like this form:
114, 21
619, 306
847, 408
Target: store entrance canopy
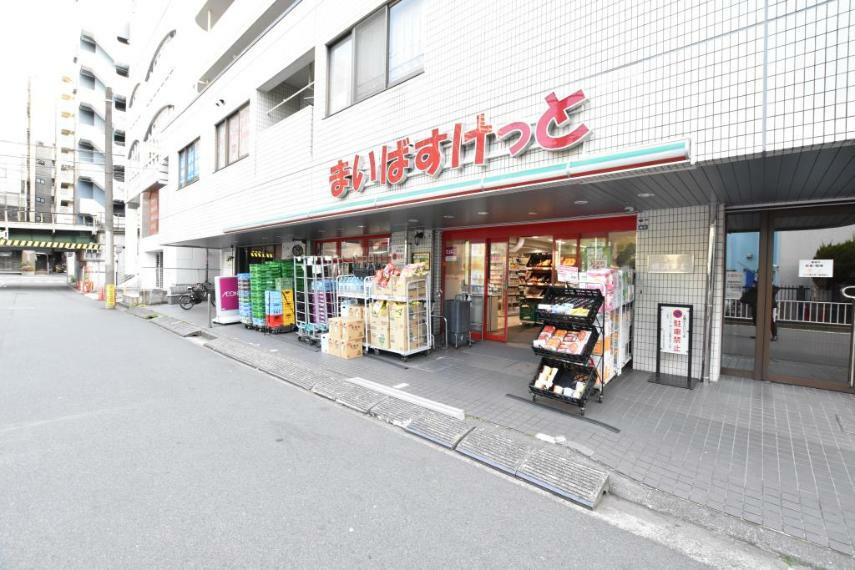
819, 174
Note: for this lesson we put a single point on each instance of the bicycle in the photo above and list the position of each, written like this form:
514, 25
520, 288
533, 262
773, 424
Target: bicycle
195, 295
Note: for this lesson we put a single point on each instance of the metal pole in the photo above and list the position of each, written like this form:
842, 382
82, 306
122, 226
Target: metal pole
210, 293
109, 277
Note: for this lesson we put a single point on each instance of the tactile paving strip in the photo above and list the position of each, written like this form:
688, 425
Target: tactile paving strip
556, 471
496, 447
439, 428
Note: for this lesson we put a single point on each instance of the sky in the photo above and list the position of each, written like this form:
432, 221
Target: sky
35, 42
38, 40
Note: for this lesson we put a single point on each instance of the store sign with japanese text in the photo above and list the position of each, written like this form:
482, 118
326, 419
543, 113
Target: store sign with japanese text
674, 323
458, 146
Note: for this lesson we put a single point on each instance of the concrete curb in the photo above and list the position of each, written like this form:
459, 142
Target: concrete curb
403, 414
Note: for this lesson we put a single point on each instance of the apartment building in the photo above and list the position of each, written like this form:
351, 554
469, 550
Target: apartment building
657, 132
99, 60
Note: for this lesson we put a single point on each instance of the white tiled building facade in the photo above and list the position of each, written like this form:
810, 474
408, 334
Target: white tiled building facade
730, 82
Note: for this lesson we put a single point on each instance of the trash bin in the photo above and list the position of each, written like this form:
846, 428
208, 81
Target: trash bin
457, 314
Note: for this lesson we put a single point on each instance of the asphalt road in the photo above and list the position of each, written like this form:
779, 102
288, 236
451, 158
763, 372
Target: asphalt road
122, 445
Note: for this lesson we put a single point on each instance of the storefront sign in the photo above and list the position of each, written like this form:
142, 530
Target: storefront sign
398, 254
733, 284
670, 263
674, 329
452, 148
568, 273
260, 254
226, 297
816, 268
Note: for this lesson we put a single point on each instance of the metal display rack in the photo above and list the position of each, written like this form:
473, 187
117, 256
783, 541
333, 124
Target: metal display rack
572, 310
418, 327
315, 299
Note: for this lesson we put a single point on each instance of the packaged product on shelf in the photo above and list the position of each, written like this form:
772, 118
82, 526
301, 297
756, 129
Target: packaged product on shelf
563, 341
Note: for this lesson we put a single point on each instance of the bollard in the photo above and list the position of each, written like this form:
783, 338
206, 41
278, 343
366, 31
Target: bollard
110, 296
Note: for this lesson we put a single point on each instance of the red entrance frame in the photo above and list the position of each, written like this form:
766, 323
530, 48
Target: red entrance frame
568, 229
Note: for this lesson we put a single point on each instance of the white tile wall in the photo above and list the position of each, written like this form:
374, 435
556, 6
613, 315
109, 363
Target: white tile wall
674, 231
653, 70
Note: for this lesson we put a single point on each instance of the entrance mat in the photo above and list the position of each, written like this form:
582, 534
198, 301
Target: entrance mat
544, 406
498, 448
566, 476
439, 428
672, 380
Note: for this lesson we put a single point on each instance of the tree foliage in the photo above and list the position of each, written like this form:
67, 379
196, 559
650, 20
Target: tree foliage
843, 254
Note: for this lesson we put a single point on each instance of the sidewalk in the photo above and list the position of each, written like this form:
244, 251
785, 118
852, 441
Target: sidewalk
771, 454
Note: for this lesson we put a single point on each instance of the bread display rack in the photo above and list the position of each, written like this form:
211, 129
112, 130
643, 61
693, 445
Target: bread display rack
571, 322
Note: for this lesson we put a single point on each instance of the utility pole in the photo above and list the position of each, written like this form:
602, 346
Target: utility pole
109, 276
30, 188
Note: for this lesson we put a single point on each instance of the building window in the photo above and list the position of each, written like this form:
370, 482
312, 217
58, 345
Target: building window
122, 70
383, 49
87, 80
87, 45
188, 166
120, 104
233, 137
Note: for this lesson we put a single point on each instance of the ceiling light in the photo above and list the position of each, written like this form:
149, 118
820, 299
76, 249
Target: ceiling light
413, 221
646, 195
448, 217
532, 213
580, 202
360, 227
483, 213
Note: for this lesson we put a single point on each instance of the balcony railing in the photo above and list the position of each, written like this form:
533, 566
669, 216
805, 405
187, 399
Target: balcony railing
22, 215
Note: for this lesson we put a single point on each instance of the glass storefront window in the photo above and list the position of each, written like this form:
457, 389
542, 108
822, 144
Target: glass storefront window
378, 247
595, 253
329, 248
351, 249
623, 249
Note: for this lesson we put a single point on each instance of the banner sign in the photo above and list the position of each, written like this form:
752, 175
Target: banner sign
389, 166
226, 297
816, 268
674, 329
733, 284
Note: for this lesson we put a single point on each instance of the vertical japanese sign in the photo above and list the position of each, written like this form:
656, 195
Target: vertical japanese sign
674, 329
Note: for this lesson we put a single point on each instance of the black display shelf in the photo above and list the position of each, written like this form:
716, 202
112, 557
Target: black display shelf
572, 366
591, 299
582, 357
568, 374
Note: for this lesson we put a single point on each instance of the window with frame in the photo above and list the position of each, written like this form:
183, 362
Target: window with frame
232, 137
380, 51
188, 166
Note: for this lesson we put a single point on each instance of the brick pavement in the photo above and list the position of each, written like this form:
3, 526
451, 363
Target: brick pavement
775, 455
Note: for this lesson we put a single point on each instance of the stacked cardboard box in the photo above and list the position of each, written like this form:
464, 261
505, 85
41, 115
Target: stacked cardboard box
407, 329
346, 336
378, 325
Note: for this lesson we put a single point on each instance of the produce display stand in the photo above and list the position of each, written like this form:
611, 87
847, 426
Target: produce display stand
555, 312
414, 304
314, 295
